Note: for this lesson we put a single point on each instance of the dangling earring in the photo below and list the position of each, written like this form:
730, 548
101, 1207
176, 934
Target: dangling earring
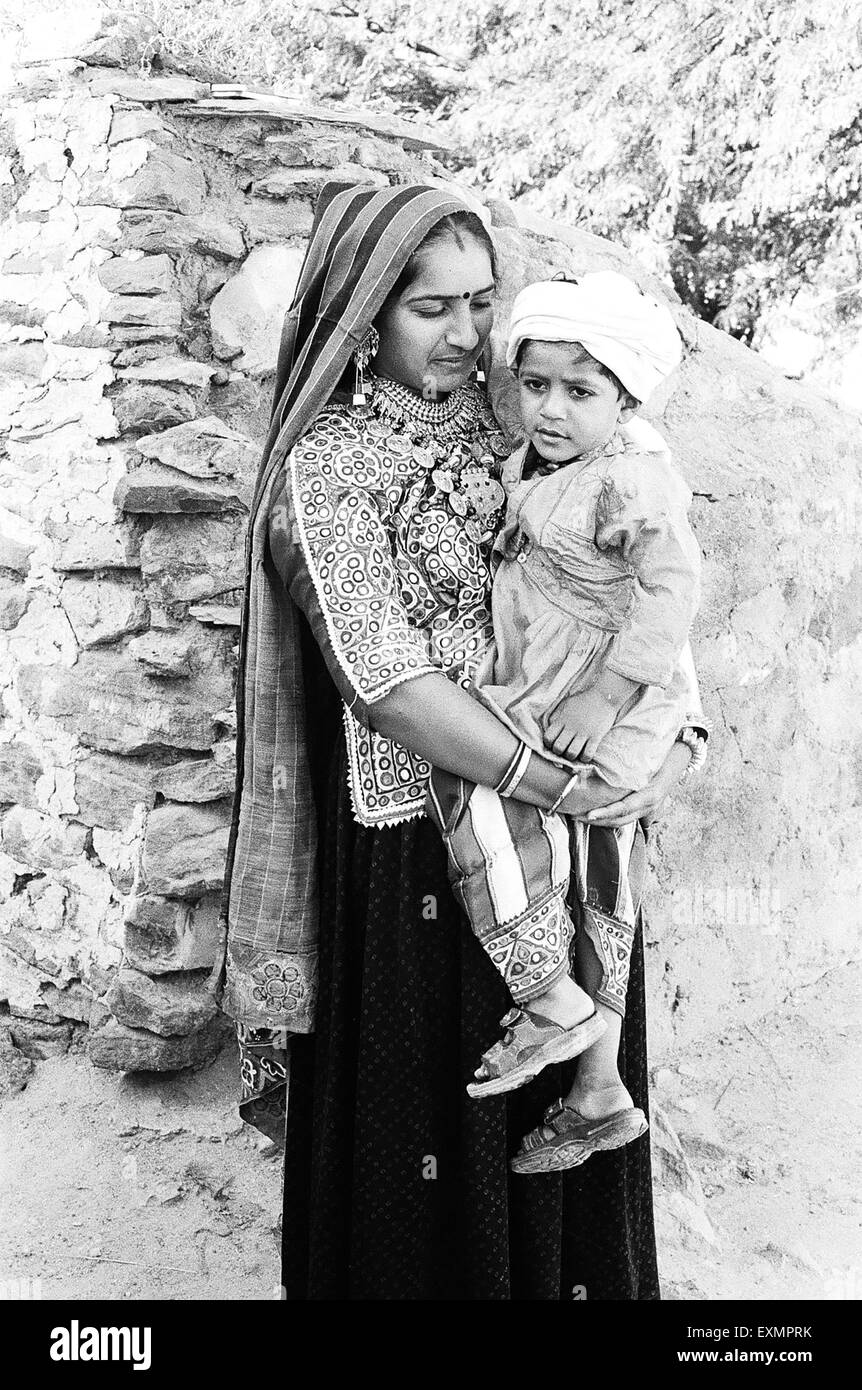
361, 357
478, 375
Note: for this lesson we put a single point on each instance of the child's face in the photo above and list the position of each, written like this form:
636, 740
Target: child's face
569, 406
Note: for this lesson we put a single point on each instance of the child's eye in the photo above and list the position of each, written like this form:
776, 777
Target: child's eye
532, 383
580, 393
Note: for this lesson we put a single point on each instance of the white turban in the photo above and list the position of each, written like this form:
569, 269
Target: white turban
628, 332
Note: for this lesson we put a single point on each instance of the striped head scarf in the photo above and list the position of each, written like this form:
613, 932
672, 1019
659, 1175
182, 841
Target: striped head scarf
265, 974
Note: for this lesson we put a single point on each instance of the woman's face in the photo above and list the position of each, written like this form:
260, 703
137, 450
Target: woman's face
434, 333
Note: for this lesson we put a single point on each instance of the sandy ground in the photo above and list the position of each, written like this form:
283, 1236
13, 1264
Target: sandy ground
151, 1187
137, 1186
770, 1118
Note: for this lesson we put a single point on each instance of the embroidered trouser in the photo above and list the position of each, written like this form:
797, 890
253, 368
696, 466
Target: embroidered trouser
517, 870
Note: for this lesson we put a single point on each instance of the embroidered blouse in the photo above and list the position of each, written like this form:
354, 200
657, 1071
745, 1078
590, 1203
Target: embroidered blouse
382, 529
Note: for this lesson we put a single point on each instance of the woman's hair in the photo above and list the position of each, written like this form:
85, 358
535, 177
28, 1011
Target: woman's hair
456, 225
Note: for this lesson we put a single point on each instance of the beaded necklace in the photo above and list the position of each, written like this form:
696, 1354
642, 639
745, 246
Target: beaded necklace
450, 439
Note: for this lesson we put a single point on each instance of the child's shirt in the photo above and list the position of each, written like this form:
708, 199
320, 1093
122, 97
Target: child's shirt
596, 567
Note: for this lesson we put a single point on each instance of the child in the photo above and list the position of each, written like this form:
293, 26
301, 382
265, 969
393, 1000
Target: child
595, 588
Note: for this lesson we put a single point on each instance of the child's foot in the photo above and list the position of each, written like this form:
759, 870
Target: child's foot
564, 1003
596, 1102
531, 1043
604, 1118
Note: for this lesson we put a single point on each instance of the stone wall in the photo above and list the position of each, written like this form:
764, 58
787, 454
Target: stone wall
151, 239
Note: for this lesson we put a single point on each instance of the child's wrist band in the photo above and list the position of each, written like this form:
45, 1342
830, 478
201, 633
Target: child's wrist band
572, 782
514, 774
696, 745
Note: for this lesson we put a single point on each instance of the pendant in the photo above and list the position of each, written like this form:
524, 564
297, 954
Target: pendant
484, 494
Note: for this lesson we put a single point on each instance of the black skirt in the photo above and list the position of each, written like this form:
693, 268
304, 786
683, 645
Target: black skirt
397, 1184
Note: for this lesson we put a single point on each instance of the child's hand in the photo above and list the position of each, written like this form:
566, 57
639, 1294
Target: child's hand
580, 722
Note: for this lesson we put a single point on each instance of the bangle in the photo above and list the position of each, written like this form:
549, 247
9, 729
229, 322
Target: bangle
515, 770
502, 786
696, 744
572, 782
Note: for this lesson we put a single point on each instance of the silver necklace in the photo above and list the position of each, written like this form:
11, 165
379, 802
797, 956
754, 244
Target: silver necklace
393, 403
456, 441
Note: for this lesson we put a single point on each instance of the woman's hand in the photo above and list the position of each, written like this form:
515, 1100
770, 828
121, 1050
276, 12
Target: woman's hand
644, 805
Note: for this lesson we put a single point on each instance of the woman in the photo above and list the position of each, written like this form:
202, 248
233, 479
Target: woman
366, 611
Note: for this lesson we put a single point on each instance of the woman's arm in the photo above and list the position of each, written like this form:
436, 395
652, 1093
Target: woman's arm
419, 707
436, 719
422, 709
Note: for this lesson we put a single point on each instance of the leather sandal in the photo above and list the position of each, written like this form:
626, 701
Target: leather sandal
530, 1043
566, 1138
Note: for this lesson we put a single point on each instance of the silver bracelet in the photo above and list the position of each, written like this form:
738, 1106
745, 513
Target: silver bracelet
514, 774
696, 744
572, 782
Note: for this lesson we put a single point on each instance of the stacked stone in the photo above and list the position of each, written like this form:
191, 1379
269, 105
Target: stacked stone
151, 242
